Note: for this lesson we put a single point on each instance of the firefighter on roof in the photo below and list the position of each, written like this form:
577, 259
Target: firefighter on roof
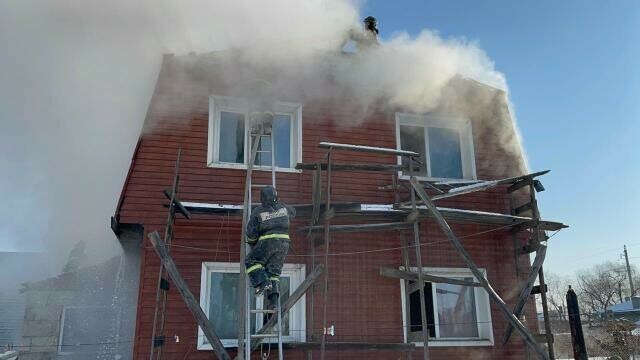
268, 233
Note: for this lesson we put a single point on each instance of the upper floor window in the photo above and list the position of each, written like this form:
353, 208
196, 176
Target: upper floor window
445, 146
219, 299
230, 137
457, 315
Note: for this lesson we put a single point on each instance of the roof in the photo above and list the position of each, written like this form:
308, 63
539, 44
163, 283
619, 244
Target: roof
625, 307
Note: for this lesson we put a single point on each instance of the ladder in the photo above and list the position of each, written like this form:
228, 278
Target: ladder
260, 129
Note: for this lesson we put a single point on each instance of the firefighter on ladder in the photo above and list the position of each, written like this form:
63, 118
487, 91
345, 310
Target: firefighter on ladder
268, 233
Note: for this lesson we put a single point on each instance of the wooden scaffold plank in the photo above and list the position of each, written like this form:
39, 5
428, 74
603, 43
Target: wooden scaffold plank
365, 148
493, 295
413, 276
291, 301
526, 289
353, 346
160, 247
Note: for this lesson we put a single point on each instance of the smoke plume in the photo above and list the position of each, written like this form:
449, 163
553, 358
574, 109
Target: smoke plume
76, 79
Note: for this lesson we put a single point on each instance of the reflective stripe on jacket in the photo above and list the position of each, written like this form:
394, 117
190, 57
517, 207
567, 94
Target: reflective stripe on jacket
269, 222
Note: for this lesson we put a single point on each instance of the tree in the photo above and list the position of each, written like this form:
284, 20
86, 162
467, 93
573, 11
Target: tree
599, 286
557, 294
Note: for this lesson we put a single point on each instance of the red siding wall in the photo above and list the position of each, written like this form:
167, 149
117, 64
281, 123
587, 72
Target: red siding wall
363, 306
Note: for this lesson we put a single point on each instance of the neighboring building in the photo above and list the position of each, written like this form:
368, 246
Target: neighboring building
86, 313
197, 108
628, 310
13, 273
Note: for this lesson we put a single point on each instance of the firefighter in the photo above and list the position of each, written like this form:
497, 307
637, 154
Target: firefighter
268, 234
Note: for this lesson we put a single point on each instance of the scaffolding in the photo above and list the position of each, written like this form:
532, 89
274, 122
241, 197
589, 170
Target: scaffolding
402, 215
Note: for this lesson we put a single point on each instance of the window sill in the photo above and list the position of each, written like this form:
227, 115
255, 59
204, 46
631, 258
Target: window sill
233, 344
257, 168
456, 343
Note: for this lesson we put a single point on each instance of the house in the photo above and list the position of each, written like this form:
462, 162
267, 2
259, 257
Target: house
198, 108
86, 312
628, 310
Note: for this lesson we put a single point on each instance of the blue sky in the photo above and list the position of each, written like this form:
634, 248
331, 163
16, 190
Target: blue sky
574, 77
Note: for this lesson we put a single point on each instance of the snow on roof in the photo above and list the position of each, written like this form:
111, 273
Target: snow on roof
623, 307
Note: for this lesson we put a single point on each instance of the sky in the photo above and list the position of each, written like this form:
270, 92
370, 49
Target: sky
573, 76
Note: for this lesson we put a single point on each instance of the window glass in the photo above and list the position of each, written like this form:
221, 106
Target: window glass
285, 286
282, 136
282, 131
263, 158
83, 327
223, 309
412, 139
444, 153
457, 316
232, 137
415, 329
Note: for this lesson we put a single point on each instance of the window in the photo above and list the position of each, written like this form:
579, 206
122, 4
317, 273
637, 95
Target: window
219, 300
445, 146
230, 136
82, 328
457, 315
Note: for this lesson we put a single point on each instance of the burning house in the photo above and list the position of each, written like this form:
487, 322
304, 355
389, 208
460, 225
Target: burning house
363, 170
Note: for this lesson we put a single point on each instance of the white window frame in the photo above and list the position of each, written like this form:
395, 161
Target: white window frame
483, 310
463, 126
297, 314
62, 321
241, 106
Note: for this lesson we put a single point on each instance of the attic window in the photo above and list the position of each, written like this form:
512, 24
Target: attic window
230, 140
445, 146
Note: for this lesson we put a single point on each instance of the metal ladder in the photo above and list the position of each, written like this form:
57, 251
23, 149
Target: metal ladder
261, 132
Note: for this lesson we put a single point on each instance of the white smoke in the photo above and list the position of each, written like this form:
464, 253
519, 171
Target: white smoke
76, 79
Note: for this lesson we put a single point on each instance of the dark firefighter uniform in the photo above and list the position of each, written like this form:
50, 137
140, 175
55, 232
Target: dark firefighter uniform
268, 232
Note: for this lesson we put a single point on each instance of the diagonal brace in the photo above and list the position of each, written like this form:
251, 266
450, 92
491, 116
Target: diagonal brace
502, 306
193, 305
526, 290
291, 301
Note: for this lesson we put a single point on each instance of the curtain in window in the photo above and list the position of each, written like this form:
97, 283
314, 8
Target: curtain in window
456, 311
232, 133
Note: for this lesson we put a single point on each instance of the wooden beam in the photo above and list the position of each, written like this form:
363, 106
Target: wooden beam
384, 212
522, 208
354, 346
364, 148
525, 292
177, 204
493, 295
352, 167
413, 275
190, 300
359, 227
542, 338
519, 185
480, 186
542, 224
536, 289
291, 301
